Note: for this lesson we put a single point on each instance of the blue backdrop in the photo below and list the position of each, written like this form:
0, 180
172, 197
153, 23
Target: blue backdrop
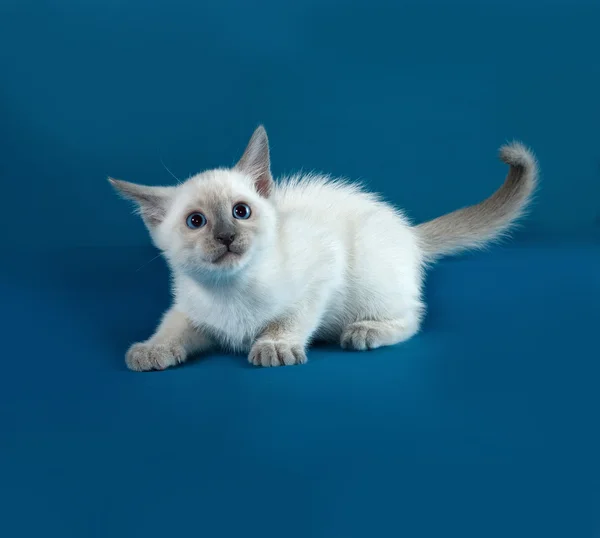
414, 97
483, 425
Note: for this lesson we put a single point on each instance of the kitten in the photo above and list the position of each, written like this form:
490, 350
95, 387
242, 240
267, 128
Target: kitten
265, 267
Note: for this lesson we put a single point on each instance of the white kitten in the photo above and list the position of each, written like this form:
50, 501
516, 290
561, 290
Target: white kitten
266, 267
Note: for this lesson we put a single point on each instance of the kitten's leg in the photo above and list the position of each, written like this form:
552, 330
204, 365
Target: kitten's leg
173, 342
371, 334
283, 342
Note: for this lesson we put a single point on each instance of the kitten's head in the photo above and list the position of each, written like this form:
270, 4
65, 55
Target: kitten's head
216, 222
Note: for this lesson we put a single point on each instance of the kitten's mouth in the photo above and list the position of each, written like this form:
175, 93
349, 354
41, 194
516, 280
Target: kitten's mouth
226, 256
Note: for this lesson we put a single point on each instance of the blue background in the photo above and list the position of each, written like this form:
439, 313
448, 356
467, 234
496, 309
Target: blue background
482, 425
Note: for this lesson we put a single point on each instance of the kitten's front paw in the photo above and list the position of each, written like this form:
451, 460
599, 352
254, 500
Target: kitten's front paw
145, 356
276, 353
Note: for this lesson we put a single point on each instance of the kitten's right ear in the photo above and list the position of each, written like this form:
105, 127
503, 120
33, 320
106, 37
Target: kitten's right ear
256, 162
152, 202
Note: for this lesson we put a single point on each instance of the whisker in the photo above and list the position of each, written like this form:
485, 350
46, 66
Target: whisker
172, 174
149, 262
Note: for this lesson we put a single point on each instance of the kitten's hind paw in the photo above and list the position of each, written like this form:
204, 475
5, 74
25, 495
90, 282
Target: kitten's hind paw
364, 335
276, 353
143, 356
360, 337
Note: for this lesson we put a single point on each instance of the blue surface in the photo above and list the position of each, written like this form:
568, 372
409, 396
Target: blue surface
483, 425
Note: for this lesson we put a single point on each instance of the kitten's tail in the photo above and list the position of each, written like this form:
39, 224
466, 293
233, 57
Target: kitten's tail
477, 225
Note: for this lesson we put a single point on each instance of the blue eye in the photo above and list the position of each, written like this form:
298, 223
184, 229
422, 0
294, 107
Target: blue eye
241, 211
195, 221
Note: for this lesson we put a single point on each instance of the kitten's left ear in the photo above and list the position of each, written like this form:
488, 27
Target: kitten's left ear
256, 162
152, 202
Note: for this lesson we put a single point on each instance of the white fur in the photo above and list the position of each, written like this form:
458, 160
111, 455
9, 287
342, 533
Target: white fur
345, 254
320, 258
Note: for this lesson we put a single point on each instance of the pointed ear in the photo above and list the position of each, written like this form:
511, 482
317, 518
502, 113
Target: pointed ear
256, 162
152, 202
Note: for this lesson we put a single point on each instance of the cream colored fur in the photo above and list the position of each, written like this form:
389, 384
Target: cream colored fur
318, 258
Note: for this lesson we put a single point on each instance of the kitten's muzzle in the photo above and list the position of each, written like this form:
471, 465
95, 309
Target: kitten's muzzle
233, 249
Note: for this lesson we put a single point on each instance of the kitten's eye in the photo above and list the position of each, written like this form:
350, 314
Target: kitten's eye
241, 211
195, 221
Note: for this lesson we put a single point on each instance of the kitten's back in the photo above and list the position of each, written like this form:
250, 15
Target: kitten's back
327, 199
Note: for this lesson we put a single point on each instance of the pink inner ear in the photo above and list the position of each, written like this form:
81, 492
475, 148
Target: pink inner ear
264, 185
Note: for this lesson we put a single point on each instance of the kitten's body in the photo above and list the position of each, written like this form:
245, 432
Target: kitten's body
327, 254
323, 259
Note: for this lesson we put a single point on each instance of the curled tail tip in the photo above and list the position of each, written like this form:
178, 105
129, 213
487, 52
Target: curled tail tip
517, 154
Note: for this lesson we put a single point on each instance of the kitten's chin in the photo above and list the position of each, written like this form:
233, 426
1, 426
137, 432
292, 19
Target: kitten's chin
228, 260
225, 265
228, 263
